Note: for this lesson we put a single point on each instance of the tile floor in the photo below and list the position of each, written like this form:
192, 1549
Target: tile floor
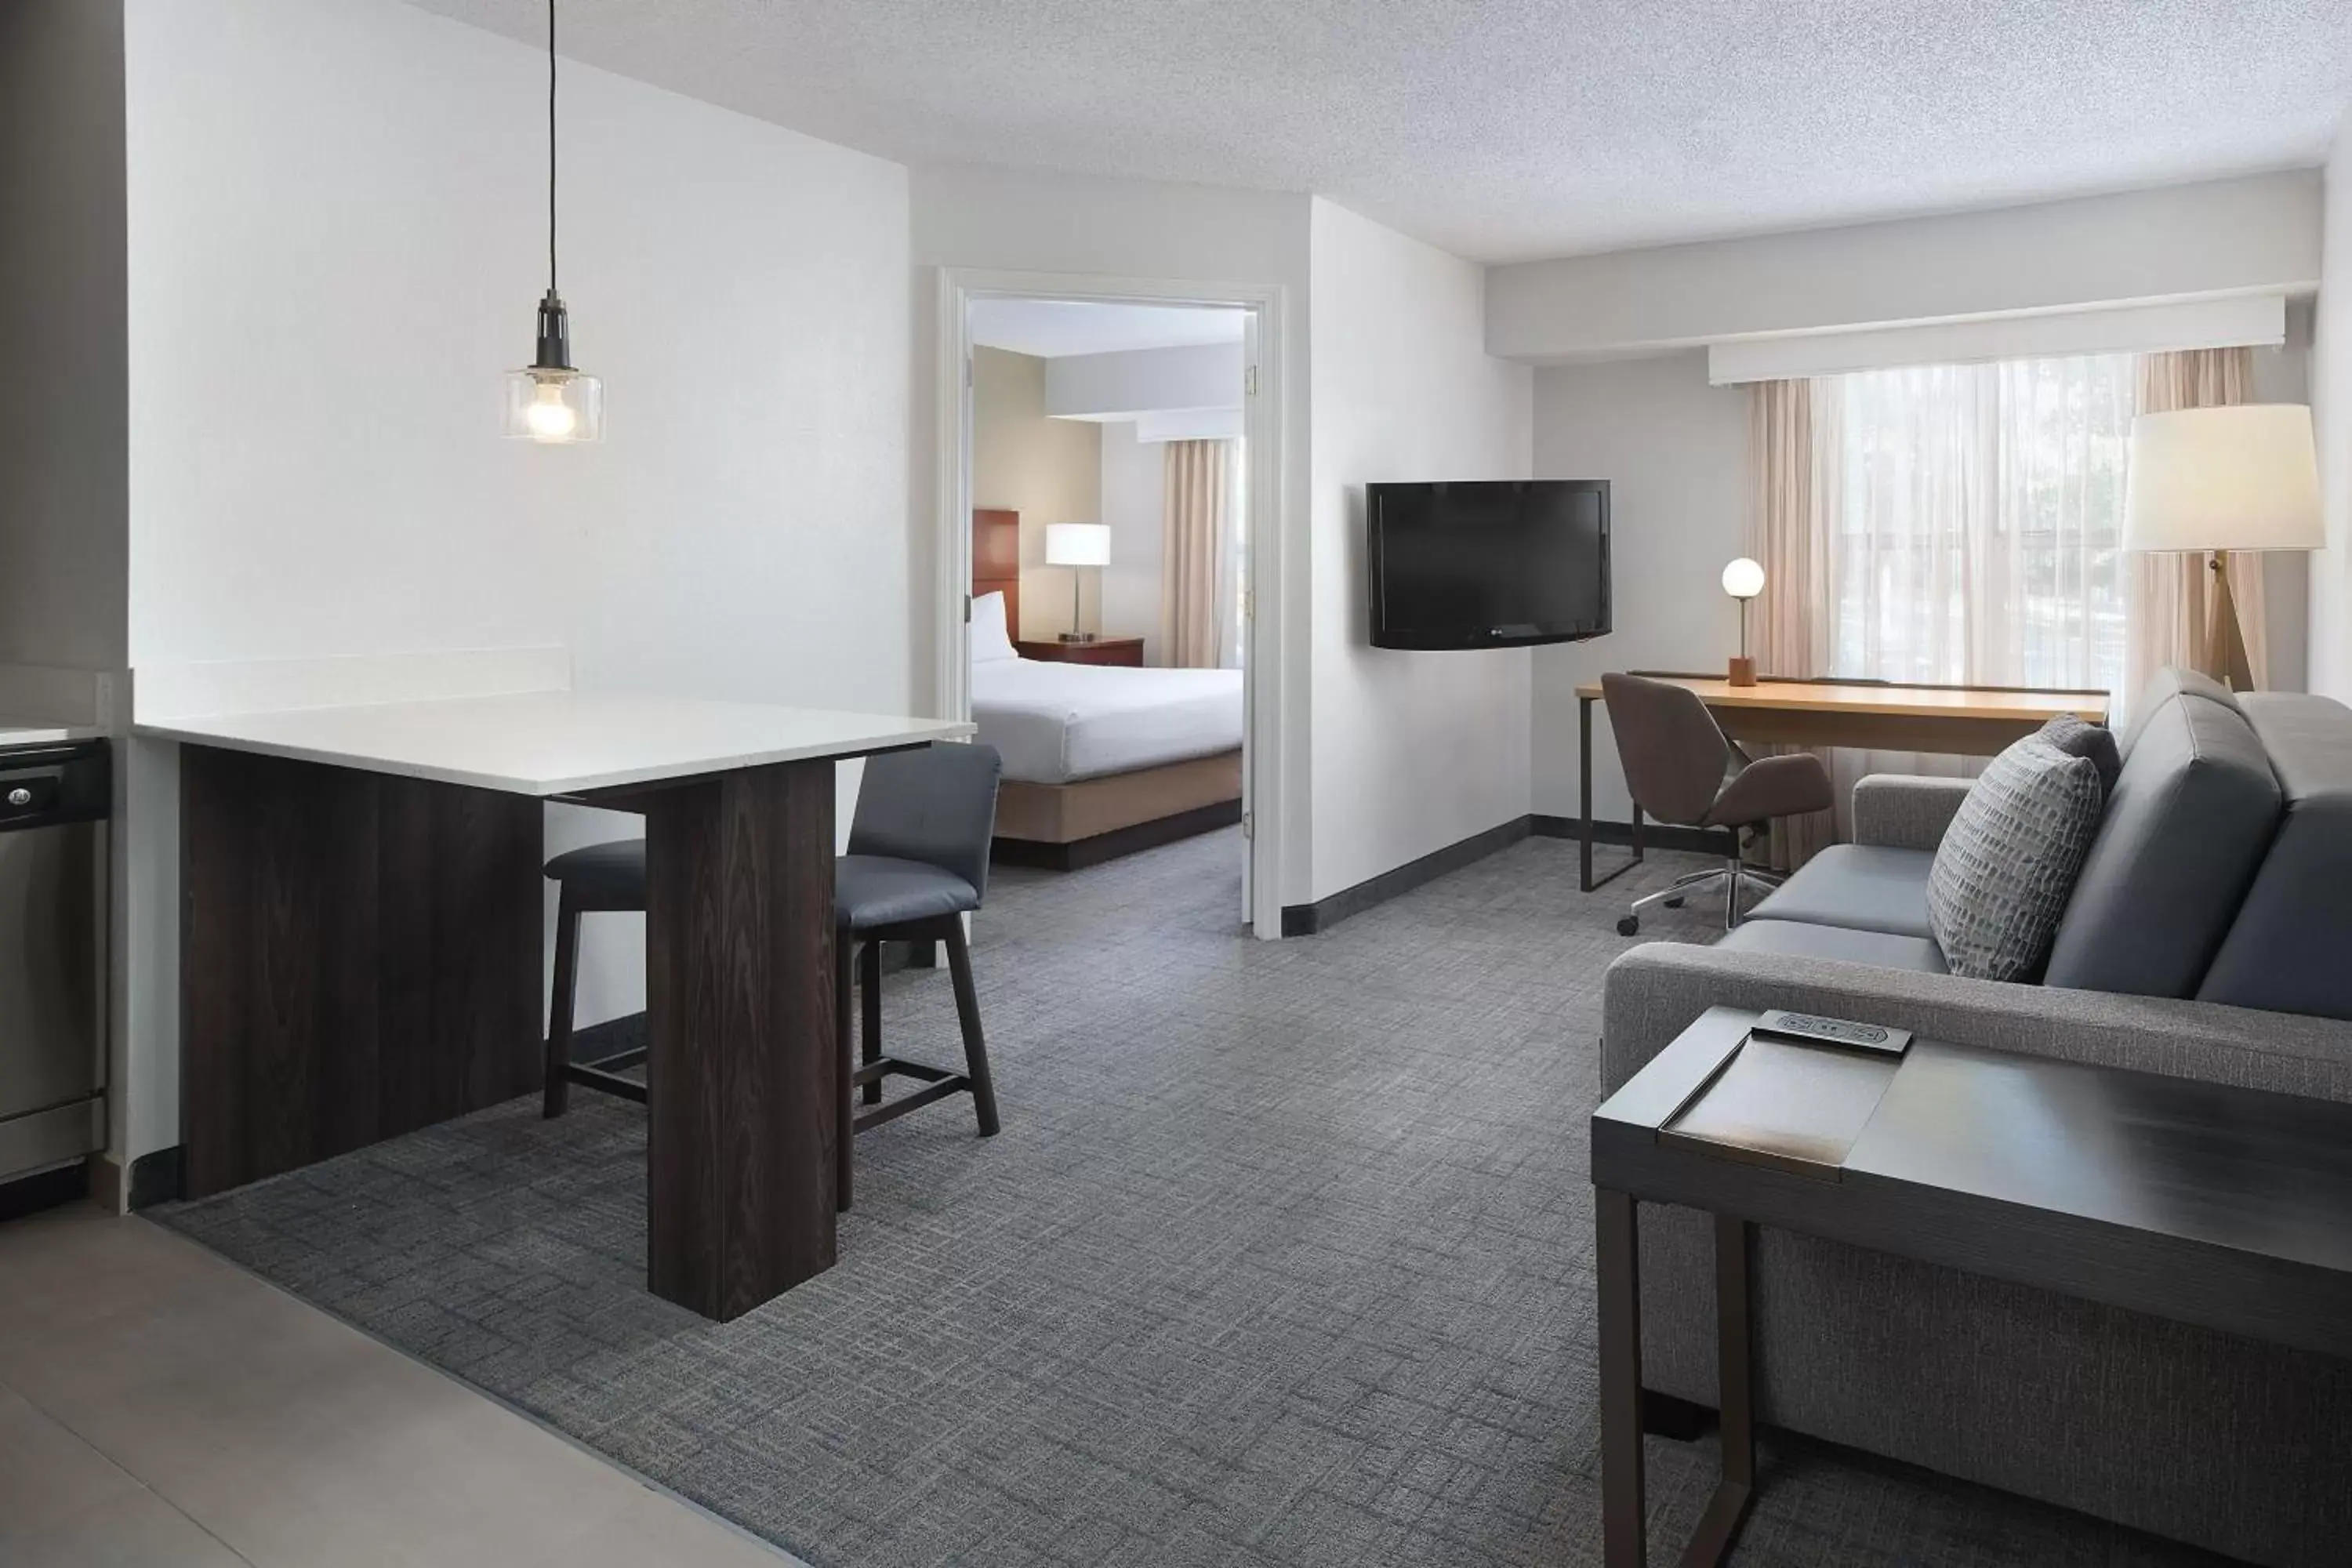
160, 1406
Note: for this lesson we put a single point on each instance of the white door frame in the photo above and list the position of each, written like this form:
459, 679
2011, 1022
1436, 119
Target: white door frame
1263, 427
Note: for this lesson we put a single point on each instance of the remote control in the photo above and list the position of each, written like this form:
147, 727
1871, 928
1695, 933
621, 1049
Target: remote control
1842, 1032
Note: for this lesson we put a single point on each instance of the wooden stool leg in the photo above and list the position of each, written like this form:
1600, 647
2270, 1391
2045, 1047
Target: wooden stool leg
557, 1090
845, 951
870, 1007
975, 1047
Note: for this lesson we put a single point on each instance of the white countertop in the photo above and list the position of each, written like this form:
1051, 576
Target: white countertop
556, 742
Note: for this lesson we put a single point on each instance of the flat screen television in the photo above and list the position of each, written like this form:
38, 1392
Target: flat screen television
1488, 563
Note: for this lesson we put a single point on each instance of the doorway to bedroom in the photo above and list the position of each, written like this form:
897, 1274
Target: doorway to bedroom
1107, 514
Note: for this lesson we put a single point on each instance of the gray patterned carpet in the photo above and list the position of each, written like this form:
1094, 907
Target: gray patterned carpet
1284, 1257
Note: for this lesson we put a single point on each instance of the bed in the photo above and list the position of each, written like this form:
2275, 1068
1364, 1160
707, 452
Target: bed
1098, 761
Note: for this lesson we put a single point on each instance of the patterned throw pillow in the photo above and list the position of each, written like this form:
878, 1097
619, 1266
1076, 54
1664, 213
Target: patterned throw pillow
2077, 739
2007, 864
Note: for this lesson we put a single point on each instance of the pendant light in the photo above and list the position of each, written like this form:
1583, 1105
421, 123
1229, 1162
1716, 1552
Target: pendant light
547, 400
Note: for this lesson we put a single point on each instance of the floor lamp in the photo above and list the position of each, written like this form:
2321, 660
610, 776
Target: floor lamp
2210, 481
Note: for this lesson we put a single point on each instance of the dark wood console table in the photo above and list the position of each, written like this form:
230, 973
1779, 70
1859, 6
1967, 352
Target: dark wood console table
2228, 1208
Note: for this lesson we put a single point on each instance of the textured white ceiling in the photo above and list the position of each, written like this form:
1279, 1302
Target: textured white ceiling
1052, 328
1509, 129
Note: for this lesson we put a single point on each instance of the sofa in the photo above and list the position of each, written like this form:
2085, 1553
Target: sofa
2209, 936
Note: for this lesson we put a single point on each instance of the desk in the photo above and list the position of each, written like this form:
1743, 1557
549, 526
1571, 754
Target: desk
361, 920
1954, 720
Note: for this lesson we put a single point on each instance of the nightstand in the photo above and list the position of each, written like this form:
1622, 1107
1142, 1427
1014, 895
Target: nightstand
1125, 651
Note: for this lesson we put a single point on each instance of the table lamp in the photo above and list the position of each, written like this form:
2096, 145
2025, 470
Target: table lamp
1077, 544
2206, 481
1743, 580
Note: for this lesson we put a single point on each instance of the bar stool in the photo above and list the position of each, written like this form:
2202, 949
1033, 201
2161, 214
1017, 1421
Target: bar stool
918, 863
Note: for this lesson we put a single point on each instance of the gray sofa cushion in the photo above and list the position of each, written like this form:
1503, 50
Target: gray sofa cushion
2291, 947
1859, 886
2190, 821
2168, 683
2006, 865
1792, 939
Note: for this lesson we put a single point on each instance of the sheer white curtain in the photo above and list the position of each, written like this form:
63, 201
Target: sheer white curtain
1973, 521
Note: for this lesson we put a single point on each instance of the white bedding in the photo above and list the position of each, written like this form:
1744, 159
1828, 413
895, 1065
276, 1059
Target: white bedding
1059, 723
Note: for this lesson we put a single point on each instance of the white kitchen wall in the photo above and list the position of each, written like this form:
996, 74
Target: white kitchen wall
1411, 752
1134, 506
336, 213
2331, 377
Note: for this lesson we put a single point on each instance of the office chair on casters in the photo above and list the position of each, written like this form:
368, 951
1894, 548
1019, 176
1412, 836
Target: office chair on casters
1682, 771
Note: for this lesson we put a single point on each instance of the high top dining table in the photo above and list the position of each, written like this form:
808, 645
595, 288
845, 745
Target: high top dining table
361, 913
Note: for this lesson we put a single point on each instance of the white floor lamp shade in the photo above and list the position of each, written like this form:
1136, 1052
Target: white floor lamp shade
2210, 481
1077, 544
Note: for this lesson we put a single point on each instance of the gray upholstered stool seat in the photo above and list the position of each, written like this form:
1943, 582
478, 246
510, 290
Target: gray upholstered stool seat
607, 872
871, 891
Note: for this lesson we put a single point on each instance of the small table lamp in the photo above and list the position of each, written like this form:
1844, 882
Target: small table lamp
1743, 580
1077, 544
2206, 481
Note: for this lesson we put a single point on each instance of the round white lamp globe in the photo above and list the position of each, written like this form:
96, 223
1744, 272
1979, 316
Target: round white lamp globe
1743, 579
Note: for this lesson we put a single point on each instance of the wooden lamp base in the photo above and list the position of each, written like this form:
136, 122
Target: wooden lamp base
1743, 671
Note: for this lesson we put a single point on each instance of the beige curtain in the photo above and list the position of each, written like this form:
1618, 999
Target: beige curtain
2169, 618
1196, 611
1793, 488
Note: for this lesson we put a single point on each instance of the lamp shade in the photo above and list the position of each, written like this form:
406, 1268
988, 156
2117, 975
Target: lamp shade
1077, 544
2242, 478
1743, 579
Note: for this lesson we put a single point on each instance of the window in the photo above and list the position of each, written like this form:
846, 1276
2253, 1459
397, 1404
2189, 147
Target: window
1975, 516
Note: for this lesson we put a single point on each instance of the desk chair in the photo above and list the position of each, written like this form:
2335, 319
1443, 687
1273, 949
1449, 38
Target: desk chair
1682, 770
918, 863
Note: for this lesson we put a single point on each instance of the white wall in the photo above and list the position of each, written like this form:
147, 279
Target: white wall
1134, 507
1130, 381
1675, 452
2259, 233
337, 217
1028, 221
62, 356
2331, 378
1411, 752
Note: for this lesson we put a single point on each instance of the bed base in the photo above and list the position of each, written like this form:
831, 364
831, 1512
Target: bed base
1066, 826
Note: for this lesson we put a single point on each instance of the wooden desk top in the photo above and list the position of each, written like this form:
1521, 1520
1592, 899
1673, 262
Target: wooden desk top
1903, 701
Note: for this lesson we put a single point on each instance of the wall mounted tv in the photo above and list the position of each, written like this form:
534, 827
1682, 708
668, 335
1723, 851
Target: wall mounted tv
1488, 563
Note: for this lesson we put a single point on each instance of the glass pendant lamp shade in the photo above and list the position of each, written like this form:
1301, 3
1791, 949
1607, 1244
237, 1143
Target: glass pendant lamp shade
550, 400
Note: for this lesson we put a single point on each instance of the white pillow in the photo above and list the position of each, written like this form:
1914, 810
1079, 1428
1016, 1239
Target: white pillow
989, 644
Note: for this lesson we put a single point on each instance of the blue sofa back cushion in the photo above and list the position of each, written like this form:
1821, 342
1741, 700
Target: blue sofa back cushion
2290, 948
2186, 828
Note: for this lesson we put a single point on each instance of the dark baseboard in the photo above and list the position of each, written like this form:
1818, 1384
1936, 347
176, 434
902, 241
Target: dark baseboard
1084, 852
1655, 836
43, 1190
614, 1036
159, 1177
1305, 920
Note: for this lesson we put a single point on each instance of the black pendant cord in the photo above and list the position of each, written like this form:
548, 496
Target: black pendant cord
550, 147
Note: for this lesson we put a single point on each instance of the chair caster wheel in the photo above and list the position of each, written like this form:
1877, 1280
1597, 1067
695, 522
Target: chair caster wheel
1628, 925
1674, 903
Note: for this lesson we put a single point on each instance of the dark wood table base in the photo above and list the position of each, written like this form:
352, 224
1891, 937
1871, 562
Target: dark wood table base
360, 959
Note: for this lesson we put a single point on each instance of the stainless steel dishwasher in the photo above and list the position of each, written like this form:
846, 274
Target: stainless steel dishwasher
54, 802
